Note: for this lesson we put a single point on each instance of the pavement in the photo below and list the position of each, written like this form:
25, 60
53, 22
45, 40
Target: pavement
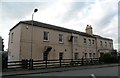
47, 70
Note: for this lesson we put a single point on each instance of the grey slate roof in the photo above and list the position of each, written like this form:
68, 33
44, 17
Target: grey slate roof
49, 26
97, 36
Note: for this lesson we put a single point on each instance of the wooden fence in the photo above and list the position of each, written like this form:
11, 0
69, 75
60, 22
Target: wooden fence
38, 64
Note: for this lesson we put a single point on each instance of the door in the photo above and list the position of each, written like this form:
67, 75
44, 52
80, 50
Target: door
60, 55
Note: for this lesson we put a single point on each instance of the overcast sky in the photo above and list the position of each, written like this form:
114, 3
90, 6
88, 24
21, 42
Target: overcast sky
102, 15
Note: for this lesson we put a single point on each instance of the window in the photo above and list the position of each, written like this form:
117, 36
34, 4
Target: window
85, 40
75, 39
61, 38
93, 42
89, 42
93, 55
12, 38
101, 43
76, 56
105, 44
85, 55
110, 44
90, 55
60, 55
46, 36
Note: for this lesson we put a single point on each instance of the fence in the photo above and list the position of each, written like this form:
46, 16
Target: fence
38, 64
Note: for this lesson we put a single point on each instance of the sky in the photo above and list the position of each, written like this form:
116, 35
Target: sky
102, 15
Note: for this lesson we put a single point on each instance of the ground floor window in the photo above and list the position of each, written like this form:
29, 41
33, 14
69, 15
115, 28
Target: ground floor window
76, 55
93, 55
85, 55
90, 55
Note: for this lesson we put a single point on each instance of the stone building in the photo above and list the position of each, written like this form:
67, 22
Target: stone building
40, 40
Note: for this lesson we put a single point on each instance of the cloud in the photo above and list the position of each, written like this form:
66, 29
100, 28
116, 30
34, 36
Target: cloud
72, 14
54, 13
28, 0
17, 10
74, 10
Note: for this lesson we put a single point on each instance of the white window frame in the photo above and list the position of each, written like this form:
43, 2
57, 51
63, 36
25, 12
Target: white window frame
101, 43
89, 41
86, 55
93, 41
61, 38
90, 55
76, 56
85, 40
105, 44
75, 39
110, 44
44, 39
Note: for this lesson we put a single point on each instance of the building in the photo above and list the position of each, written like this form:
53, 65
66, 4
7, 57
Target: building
1, 44
38, 40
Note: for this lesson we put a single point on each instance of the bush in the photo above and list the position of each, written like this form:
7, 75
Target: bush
4, 59
114, 59
107, 58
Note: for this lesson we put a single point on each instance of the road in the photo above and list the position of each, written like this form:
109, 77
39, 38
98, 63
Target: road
106, 71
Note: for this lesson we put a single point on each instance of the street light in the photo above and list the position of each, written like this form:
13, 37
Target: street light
35, 10
31, 60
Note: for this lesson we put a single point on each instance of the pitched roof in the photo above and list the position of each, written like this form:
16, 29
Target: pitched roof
54, 27
97, 36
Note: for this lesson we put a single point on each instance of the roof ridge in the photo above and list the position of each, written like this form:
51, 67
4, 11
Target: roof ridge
55, 27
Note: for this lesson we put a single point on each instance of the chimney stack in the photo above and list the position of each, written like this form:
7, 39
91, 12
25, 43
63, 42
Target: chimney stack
89, 29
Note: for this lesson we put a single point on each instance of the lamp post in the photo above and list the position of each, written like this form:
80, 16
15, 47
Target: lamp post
31, 59
35, 10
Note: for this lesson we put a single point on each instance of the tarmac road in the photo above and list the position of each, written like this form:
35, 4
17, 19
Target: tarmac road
106, 72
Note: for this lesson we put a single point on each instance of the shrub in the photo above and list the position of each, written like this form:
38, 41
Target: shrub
114, 59
4, 59
107, 58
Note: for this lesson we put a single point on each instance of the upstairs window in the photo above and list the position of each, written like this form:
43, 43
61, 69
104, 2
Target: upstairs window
46, 36
75, 39
93, 41
89, 41
61, 38
110, 44
85, 40
101, 43
105, 44
12, 37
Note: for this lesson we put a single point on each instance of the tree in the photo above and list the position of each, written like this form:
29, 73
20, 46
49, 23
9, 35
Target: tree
2, 45
4, 59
